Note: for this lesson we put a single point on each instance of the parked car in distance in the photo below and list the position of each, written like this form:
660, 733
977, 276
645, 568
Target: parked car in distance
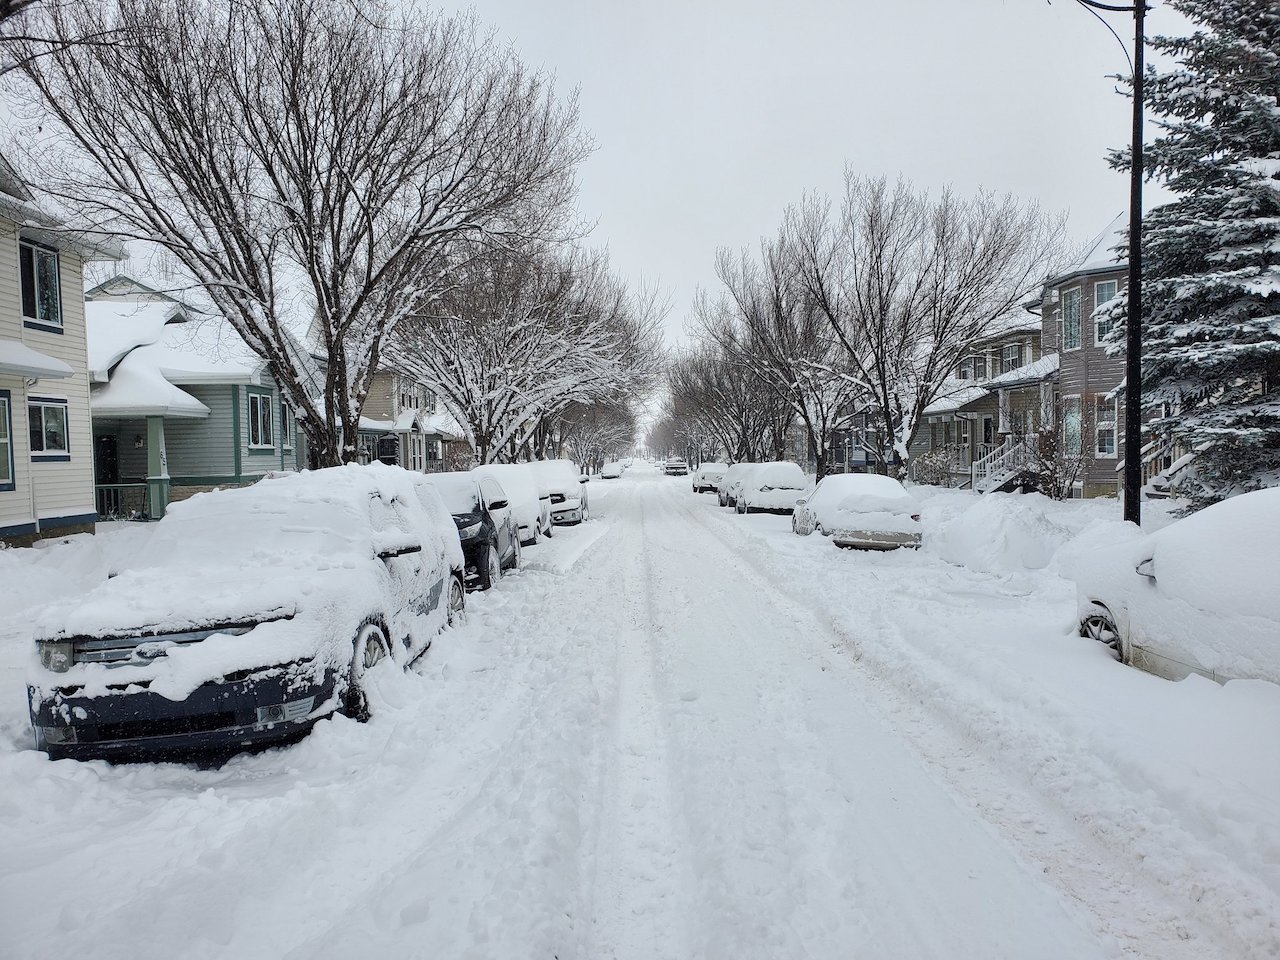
732, 481
675, 467
486, 524
252, 613
1199, 596
527, 495
860, 510
771, 488
568, 495
708, 476
612, 471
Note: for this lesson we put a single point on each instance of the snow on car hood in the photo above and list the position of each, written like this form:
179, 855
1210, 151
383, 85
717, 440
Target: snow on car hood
304, 615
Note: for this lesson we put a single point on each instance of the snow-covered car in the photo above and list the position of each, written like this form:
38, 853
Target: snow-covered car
612, 471
731, 482
675, 467
1199, 596
252, 613
771, 488
529, 498
708, 477
486, 524
568, 495
861, 510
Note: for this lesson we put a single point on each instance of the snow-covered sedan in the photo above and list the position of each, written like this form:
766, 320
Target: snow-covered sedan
568, 495
771, 488
708, 476
612, 470
732, 481
487, 526
529, 498
860, 510
1200, 596
250, 614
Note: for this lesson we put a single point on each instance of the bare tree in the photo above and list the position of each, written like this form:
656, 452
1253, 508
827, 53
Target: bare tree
302, 164
786, 340
593, 433
523, 333
908, 284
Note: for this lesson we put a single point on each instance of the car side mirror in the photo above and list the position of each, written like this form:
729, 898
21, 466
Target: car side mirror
1146, 569
497, 504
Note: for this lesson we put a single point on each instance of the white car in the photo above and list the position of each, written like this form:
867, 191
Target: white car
1200, 596
252, 613
612, 470
568, 495
731, 482
708, 477
527, 495
675, 467
771, 488
861, 510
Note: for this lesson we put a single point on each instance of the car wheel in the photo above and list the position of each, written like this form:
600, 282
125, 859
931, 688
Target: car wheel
457, 601
490, 567
1099, 624
370, 648
516, 555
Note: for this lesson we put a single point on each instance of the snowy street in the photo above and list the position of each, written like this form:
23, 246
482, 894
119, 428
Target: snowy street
683, 733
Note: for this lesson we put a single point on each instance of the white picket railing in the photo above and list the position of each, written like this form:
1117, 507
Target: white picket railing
1001, 463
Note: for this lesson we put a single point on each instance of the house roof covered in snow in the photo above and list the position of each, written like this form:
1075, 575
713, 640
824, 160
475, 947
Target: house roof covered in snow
958, 393
20, 360
1035, 372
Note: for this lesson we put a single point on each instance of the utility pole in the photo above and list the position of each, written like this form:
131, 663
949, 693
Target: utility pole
1133, 339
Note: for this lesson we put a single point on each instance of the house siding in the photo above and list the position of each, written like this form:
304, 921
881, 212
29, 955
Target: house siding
380, 404
57, 494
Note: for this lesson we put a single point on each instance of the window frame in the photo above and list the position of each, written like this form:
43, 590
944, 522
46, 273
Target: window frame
1004, 357
1079, 340
35, 251
1069, 401
8, 459
286, 425
1113, 425
1098, 333
262, 400
44, 455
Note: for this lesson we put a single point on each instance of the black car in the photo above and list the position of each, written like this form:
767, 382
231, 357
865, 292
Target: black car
486, 525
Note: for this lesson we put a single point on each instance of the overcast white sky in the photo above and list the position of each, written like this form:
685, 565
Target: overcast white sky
710, 116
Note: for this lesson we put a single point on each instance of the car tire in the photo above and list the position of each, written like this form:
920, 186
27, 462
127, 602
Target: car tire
1099, 624
457, 607
490, 567
515, 555
369, 648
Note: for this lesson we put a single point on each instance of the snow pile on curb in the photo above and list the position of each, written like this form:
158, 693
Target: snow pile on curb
1001, 533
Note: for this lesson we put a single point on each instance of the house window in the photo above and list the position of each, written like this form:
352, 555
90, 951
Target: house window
980, 366
1103, 293
1104, 426
1071, 319
1011, 357
966, 369
38, 268
430, 403
260, 420
48, 421
6, 442
1071, 425
286, 426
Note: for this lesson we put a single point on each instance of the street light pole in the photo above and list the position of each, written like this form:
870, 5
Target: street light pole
1133, 339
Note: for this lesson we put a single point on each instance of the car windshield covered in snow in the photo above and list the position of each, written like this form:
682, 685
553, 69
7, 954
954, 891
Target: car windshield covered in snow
460, 493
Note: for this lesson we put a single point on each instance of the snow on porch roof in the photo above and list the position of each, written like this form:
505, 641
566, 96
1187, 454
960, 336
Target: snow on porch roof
19, 359
138, 389
1034, 372
955, 397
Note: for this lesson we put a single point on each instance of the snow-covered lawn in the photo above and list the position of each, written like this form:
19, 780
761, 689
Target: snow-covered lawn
680, 732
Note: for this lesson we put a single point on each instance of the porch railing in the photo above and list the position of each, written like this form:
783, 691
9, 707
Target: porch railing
123, 501
1001, 463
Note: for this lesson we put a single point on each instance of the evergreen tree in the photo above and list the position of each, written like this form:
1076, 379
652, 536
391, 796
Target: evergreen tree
1211, 278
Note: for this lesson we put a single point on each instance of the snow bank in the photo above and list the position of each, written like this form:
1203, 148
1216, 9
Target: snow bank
1001, 532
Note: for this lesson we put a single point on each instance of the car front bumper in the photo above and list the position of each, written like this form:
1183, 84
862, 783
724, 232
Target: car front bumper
566, 515
269, 705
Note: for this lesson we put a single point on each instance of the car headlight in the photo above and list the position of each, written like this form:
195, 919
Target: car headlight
56, 655
471, 530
